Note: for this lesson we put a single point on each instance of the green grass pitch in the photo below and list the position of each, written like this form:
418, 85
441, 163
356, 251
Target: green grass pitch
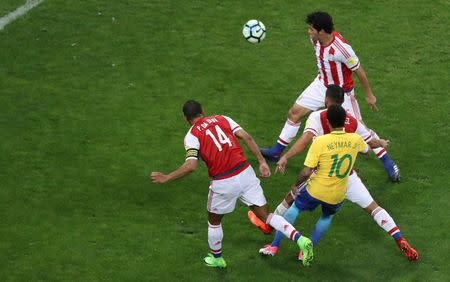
90, 104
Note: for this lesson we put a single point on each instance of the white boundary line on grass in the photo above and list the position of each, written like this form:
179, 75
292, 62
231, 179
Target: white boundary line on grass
22, 10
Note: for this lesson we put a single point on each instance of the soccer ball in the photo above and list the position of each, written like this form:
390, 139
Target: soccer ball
254, 31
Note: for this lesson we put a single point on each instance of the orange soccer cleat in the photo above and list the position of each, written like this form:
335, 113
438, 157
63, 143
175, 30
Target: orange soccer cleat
265, 228
409, 252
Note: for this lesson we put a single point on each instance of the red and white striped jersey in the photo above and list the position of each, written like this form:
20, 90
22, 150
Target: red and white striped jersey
317, 125
213, 137
336, 62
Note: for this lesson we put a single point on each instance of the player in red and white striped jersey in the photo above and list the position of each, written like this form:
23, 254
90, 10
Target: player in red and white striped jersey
214, 140
336, 62
357, 192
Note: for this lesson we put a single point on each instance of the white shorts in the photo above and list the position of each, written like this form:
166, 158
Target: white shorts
224, 193
351, 105
357, 191
313, 97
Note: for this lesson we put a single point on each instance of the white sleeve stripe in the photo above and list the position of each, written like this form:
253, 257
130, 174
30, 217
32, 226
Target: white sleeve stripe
191, 158
236, 129
312, 130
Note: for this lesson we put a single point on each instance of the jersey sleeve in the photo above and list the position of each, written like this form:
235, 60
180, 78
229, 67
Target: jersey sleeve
312, 158
362, 131
192, 146
363, 147
313, 124
349, 58
233, 125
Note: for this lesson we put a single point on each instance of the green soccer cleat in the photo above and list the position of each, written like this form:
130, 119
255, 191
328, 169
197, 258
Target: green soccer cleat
210, 260
306, 248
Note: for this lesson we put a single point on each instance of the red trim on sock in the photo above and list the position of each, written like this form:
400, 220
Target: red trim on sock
377, 210
292, 234
291, 123
282, 142
216, 251
381, 152
393, 230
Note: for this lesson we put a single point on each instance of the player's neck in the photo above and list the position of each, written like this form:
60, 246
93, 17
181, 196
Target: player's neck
326, 39
192, 122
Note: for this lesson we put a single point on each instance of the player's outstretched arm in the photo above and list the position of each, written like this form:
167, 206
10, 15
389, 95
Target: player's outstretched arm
264, 170
376, 143
370, 98
186, 168
299, 146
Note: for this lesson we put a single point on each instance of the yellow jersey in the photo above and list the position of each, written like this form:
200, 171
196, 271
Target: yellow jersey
334, 155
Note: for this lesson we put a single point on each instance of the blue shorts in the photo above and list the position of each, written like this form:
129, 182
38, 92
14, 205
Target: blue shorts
306, 202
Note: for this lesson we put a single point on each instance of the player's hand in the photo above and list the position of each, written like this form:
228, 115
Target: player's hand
264, 170
281, 165
372, 100
384, 143
158, 177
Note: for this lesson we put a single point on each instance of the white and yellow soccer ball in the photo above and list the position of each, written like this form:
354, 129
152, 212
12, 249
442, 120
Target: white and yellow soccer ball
254, 31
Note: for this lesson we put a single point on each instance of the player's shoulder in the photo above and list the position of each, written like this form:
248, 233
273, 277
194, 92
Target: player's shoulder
339, 38
315, 115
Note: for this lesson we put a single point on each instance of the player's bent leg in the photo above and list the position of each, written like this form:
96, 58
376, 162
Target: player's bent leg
283, 227
391, 168
385, 221
258, 216
288, 133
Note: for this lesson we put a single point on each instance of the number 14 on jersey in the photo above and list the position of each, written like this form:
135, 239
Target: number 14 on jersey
223, 138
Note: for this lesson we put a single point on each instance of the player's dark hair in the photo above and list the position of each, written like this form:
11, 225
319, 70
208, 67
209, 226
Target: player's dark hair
336, 116
192, 109
335, 94
320, 20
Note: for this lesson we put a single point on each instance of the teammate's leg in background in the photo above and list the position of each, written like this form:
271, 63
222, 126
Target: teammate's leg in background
288, 133
390, 167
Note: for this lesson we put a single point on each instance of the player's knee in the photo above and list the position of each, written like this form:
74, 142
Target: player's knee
371, 207
295, 114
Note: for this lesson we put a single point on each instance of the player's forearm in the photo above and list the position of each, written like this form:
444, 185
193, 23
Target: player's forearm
361, 74
296, 149
183, 170
253, 147
300, 145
